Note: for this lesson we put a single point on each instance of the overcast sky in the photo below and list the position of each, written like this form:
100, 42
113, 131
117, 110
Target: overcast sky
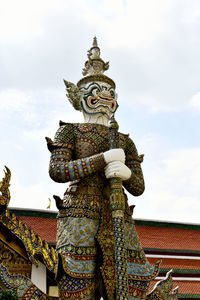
154, 51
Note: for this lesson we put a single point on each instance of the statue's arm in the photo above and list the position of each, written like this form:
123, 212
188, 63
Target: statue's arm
135, 184
63, 167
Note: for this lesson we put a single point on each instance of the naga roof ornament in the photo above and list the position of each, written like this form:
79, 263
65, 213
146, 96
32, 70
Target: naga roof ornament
4, 189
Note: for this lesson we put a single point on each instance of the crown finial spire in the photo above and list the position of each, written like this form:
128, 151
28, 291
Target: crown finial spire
94, 64
95, 42
95, 67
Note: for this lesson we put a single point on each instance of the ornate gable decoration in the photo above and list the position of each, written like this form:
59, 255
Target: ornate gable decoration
33, 243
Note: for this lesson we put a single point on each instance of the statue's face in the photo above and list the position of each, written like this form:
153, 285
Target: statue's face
99, 98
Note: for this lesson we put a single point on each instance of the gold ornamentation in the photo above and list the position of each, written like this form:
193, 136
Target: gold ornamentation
117, 214
79, 232
163, 288
106, 242
96, 78
20, 284
85, 293
94, 64
33, 243
95, 67
4, 188
73, 94
15, 263
83, 165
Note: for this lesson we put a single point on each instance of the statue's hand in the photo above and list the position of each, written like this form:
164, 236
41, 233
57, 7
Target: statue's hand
114, 154
117, 169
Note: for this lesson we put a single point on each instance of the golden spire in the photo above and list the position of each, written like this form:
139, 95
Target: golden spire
93, 72
4, 188
94, 64
95, 42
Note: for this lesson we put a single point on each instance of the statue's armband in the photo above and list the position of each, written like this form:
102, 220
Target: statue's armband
63, 167
135, 184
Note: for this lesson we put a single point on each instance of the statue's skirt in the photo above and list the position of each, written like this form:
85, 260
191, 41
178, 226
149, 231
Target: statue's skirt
79, 241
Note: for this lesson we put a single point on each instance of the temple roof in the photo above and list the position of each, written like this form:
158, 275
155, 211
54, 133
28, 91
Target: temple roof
161, 235
42, 222
174, 236
177, 244
187, 289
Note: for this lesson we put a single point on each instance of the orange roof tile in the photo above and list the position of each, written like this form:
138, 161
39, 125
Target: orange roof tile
44, 227
185, 287
172, 263
150, 236
168, 238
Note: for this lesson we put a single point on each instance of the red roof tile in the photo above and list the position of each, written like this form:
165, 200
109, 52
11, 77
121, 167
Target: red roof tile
185, 287
168, 238
150, 236
44, 227
172, 263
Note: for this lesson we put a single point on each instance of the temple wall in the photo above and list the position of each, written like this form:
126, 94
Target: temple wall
38, 276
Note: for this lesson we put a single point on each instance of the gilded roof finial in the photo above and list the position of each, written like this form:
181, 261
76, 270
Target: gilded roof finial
4, 189
94, 64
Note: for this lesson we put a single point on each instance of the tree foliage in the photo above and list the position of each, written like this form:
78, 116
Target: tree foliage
8, 295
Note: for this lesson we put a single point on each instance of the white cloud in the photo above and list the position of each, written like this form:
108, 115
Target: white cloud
26, 19
26, 118
13, 99
195, 101
184, 165
127, 24
34, 196
172, 189
34, 106
20, 19
153, 47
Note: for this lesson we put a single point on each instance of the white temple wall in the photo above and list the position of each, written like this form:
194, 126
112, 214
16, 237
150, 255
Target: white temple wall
39, 276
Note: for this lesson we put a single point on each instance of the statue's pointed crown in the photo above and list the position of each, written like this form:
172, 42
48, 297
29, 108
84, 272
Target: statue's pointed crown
95, 67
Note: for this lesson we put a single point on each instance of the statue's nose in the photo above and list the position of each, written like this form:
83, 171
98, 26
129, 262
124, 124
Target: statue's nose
106, 94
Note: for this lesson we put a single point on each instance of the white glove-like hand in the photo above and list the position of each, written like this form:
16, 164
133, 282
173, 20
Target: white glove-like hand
114, 154
117, 169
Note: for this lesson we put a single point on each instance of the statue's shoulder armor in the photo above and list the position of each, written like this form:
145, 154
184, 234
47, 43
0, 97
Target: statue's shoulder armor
65, 133
64, 137
131, 150
122, 140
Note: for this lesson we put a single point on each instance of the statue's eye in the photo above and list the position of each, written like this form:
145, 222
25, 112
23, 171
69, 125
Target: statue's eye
112, 93
94, 101
95, 92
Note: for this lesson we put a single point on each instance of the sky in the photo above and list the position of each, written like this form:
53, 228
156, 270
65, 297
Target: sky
154, 51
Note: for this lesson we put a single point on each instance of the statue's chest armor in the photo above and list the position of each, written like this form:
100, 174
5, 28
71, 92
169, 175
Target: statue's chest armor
91, 139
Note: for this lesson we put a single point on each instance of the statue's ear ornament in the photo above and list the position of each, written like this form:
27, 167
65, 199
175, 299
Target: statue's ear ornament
73, 94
